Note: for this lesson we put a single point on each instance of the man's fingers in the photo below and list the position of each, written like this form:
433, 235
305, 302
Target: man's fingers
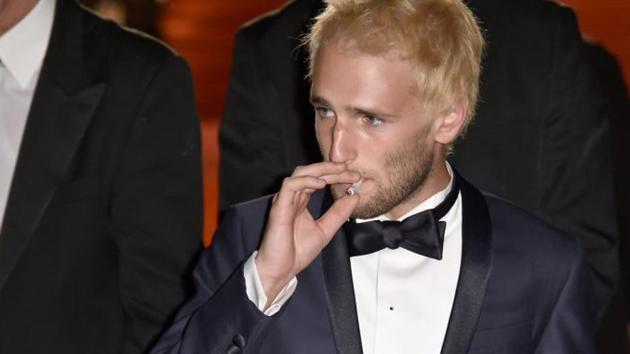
343, 177
291, 186
302, 184
320, 169
337, 214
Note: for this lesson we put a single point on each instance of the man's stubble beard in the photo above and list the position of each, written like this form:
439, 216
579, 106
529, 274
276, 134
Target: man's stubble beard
408, 171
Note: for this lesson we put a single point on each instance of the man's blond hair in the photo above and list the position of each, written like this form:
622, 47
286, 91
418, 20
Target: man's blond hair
441, 38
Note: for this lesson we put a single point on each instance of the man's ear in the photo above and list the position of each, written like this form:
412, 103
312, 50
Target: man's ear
448, 126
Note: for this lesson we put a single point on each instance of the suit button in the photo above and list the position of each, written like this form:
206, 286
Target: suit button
239, 341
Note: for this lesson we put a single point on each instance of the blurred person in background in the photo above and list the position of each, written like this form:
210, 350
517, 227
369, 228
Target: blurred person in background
100, 182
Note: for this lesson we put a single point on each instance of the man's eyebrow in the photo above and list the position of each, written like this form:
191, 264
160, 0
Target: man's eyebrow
370, 112
319, 100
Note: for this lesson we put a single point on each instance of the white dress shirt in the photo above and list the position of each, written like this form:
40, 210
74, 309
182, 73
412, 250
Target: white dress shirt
22, 50
404, 300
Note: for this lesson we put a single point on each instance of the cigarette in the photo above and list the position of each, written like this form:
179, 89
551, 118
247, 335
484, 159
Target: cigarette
354, 187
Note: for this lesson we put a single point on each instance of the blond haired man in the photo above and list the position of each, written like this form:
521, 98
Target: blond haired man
383, 247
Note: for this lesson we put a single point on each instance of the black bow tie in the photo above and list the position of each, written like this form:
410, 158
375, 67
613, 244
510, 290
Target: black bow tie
421, 233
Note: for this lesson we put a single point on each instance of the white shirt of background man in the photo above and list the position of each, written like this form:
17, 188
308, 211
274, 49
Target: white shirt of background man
22, 51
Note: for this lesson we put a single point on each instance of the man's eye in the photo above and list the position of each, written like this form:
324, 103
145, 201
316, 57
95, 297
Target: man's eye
324, 112
373, 120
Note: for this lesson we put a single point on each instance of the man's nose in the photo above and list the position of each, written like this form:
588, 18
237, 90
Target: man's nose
342, 149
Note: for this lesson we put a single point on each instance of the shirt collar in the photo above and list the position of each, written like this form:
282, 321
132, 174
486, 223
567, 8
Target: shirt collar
23, 47
429, 203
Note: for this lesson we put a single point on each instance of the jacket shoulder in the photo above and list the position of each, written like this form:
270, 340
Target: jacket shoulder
286, 23
119, 46
250, 208
523, 232
249, 218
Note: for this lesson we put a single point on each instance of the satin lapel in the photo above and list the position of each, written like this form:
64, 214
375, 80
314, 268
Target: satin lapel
475, 270
61, 110
53, 132
342, 309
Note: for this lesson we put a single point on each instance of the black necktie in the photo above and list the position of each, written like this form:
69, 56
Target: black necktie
421, 233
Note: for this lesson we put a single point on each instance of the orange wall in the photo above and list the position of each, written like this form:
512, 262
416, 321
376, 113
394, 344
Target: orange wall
203, 31
608, 22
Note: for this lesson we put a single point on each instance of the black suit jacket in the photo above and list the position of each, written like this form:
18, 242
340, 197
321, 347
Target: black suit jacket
104, 213
539, 138
523, 288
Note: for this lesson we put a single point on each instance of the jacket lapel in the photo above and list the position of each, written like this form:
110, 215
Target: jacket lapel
475, 270
342, 309
62, 107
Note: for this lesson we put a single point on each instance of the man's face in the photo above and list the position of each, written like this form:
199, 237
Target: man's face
368, 114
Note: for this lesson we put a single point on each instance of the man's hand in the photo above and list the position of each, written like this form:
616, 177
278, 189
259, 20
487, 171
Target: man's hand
292, 238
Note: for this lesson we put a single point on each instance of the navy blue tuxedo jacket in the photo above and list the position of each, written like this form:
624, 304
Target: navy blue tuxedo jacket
523, 288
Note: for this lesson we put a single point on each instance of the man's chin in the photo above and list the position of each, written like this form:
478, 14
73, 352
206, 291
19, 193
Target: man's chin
365, 211
359, 212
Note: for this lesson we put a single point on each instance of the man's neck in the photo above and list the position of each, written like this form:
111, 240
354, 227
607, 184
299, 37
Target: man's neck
12, 12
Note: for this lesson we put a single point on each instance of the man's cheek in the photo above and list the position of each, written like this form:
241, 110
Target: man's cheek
324, 147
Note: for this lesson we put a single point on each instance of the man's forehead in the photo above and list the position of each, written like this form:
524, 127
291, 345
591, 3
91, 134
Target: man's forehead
345, 88
352, 48
352, 68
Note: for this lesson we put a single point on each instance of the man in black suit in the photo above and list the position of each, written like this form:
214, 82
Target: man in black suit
426, 263
100, 176
539, 138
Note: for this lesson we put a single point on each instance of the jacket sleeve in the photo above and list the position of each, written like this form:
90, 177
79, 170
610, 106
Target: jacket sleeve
156, 207
251, 142
220, 318
571, 325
